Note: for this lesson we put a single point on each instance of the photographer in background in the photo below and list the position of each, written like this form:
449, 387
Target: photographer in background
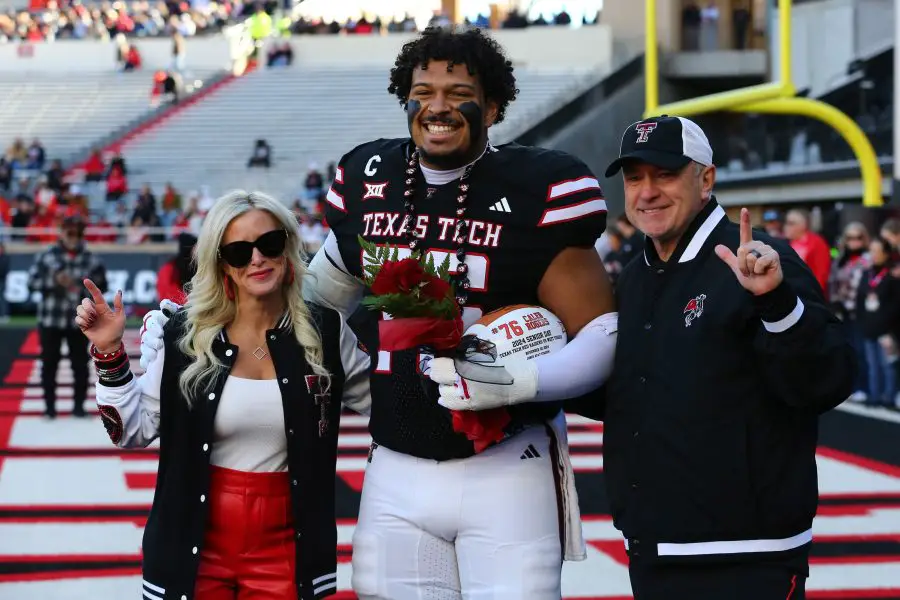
57, 273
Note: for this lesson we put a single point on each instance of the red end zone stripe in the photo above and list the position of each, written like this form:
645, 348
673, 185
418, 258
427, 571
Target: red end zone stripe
859, 461
20, 371
30, 520
853, 510
856, 537
125, 571
32, 345
855, 594
68, 558
854, 559
76, 509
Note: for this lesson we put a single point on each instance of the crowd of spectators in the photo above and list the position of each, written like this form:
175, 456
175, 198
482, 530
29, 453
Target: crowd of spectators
72, 19
857, 265
36, 195
365, 26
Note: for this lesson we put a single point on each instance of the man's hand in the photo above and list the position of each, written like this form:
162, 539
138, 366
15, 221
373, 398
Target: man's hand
757, 266
152, 331
466, 385
63, 279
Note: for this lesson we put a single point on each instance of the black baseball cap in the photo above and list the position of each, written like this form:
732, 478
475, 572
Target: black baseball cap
664, 141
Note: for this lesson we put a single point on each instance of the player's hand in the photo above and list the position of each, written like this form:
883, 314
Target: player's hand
757, 266
152, 331
464, 385
103, 325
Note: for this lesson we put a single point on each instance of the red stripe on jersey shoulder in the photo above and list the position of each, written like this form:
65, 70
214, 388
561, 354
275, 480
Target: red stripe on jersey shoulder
561, 189
572, 212
336, 200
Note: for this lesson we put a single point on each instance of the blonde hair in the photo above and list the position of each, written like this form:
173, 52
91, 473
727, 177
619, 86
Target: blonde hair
209, 309
858, 227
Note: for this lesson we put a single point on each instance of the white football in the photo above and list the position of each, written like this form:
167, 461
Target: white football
520, 332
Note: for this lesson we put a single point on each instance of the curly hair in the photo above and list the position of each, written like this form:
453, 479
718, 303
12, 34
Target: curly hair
481, 55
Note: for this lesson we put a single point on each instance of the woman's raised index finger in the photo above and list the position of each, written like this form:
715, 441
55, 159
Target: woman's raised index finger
746, 230
96, 294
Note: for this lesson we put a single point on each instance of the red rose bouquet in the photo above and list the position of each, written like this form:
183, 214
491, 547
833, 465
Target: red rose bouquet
418, 297
421, 302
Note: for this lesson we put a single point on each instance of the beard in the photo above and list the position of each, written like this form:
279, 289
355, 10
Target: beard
474, 116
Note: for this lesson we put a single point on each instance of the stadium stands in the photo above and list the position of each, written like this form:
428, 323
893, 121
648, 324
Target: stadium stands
765, 144
70, 113
306, 115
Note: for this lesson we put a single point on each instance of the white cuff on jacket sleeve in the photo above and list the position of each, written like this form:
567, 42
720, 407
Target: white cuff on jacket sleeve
787, 322
583, 365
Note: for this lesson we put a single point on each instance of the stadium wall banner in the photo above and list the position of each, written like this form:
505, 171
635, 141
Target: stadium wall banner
134, 274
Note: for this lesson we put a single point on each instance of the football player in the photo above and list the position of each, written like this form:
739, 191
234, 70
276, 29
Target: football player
438, 520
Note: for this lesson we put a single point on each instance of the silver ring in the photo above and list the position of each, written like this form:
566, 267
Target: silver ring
755, 253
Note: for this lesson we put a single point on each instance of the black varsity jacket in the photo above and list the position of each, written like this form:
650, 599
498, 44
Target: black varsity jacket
711, 412
151, 406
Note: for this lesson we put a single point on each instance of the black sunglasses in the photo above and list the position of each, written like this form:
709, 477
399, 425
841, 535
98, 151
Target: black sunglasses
238, 254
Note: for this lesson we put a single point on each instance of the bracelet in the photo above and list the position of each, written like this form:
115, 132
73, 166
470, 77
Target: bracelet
109, 356
112, 367
115, 374
113, 363
114, 377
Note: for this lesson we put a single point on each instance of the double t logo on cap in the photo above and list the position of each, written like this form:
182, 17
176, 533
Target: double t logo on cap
643, 131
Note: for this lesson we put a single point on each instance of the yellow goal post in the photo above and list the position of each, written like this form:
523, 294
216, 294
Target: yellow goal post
774, 98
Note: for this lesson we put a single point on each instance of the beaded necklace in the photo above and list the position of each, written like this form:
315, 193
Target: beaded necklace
460, 278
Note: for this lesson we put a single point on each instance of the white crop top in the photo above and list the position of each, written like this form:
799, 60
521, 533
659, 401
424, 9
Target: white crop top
249, 427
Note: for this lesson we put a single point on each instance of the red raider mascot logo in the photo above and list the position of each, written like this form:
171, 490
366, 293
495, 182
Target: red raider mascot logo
693, 309
644, 130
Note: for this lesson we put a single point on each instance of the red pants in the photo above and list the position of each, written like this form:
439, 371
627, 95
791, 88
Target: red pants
248, 549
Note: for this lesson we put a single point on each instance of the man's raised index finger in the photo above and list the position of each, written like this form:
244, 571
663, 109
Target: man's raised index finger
96, 294
746, 230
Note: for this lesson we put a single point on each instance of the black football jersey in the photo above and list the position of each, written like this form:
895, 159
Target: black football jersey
524, 206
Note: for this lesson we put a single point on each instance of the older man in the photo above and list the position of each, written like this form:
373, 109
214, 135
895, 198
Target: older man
809, 246
726, 357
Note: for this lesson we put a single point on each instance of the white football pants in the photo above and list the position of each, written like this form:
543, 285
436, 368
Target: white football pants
479, 528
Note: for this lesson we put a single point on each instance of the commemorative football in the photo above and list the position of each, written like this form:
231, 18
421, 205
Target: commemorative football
520, 332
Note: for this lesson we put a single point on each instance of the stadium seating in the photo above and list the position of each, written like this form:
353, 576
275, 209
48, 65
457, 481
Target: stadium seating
69, 113
307, 114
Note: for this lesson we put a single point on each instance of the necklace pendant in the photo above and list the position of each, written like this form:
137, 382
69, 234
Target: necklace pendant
259, 353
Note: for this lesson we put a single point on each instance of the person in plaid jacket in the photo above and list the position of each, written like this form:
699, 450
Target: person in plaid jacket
57, 273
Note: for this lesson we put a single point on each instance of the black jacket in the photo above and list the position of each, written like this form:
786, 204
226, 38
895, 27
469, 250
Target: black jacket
174, 533
711, 413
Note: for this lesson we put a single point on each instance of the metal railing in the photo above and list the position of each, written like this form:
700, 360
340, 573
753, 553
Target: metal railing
152, 239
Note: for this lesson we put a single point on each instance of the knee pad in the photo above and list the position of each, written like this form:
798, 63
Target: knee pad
527, 571
367, 578
542, 570
414, 567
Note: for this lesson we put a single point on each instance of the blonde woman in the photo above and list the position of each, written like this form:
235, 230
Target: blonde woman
244, 396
